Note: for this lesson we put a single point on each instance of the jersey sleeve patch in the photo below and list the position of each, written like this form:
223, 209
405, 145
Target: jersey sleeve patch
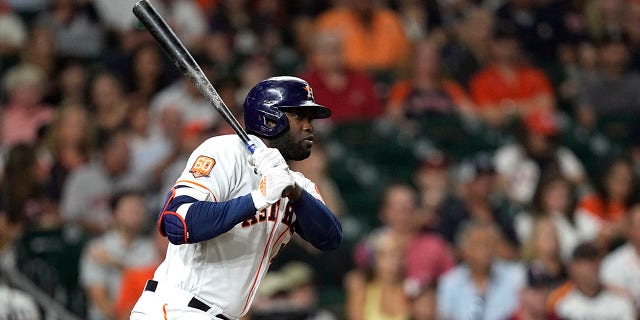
202, 166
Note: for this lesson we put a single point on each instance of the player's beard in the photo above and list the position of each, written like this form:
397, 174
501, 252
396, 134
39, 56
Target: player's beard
289, 147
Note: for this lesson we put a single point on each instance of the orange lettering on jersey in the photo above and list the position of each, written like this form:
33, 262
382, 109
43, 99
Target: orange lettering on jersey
202, 166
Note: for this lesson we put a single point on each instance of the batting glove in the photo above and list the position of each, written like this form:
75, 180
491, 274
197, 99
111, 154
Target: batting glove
274, 181
264, 159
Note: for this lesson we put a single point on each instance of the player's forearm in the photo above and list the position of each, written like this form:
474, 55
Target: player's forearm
316, 223
187, 220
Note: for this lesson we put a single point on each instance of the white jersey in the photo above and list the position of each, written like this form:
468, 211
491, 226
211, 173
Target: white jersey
226, 271
568, 303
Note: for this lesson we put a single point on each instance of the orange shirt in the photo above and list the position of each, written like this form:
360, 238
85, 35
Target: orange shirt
490, 87
133, 282
383, 45
594, 205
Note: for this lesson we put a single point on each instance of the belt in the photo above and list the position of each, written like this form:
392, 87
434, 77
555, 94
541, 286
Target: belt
193, 303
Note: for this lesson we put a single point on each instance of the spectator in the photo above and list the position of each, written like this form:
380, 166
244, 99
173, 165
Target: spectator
614, 190
289, 293
23, 185
632, 30
611, 98
76, 32
537, 151
584, 296
25, 113
604, 18
541, 251
108, 102
351, 92
85, 197
427, 256
120, 247
40, 50
468, 50
380, 294
70, 142
620, 267
146, 73
134, 278
373, 37
533, 296
13, 35
71, 84
509, 88
481, 287
183, 97
420, 18
477, 199
427, 91
435, 187
555, 200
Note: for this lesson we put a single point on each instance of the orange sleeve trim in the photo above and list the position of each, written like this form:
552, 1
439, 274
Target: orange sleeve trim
164, 311
557, 295
199, 185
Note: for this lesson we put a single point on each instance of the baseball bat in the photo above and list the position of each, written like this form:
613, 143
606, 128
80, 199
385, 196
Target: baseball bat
183, 60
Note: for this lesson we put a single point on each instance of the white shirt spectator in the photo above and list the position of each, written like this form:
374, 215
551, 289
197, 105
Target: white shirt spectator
192, 107
15, 304
521, 174
569, 303
621, 269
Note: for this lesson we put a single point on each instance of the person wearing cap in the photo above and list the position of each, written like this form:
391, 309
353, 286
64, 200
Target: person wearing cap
521, 164
477, 199
584, 296
533, 295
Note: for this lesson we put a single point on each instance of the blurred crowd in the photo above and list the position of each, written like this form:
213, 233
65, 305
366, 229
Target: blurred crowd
483, 155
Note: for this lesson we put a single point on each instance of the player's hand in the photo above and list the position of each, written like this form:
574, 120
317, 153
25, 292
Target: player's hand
274, 181
264, 159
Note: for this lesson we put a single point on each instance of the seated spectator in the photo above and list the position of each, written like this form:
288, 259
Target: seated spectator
379, 294
468, 50
13, 35
584, 296
146, 73
70, 84
620, 267
427, 91
70, 142
533, 296
25, 113
134, 278
596, 105
481, 287
614, 191
434, 185
508, 88
84, 205
351, 93
289, 293
632, 30
477, 199
76, 31
541, 251
427, 256
555, 200
373, 37
108, 102
105, 257
536, 152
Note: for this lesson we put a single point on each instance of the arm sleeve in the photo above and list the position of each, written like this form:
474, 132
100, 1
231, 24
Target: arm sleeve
187, 219
316, 223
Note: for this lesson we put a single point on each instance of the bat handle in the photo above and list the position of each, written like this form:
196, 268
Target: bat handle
251, 146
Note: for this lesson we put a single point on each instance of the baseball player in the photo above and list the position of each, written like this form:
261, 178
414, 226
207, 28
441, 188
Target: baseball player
229, 214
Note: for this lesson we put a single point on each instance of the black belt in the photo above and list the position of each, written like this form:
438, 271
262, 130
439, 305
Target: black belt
193, 303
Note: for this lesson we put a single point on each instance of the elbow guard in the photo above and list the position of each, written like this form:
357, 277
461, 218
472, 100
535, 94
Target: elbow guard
175, 228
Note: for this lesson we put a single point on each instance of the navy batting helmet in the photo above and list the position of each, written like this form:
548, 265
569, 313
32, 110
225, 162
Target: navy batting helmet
266, 102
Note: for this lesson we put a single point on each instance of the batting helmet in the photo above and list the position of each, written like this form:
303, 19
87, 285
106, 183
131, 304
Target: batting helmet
266, 102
